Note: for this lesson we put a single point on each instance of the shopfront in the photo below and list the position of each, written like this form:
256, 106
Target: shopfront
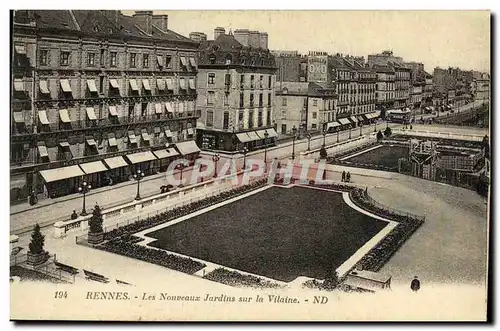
344, 123
143, 161
95, 173
165, 157
354, 121
118, 170
332, 127
62, 181
188, 150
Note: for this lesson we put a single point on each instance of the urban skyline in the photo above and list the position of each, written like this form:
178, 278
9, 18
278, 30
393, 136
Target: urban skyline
438, 38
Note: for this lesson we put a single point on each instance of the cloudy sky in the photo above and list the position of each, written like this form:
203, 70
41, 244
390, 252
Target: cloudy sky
436, 38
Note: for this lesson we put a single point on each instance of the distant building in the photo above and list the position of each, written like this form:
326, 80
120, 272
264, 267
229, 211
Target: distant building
383, 59
386, 86
291, 106
292, 67
402, 85
480, 87
236, 82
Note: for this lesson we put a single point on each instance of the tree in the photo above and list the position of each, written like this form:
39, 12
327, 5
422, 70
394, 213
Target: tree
95, 222
322, 153
387, 132
37, 241
379, 135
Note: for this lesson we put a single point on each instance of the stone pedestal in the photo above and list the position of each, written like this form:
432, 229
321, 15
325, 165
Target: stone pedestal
37, 259
59, 229
95, 238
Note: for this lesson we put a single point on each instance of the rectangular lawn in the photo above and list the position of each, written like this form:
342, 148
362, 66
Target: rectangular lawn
385, 156
279, 233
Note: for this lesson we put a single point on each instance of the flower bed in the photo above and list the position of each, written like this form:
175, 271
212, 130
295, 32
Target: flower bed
234, 278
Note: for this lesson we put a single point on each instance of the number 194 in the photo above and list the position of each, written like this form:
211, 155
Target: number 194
61, 295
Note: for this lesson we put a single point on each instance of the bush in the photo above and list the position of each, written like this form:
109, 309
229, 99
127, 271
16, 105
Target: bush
379, 135
388, 132
37, 241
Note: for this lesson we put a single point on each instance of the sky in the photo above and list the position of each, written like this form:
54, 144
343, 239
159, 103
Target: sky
435, 38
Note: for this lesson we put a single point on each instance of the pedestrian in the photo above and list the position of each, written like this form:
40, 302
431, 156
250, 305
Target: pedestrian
411, 127
415, 284
343, 176
348, 177
74, 215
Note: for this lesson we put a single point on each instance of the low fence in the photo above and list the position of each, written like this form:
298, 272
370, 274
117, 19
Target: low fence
48, 268
433, 134
341, 147
390, 209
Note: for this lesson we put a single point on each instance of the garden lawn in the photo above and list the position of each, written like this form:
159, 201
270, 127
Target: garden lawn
385, 155
280, 233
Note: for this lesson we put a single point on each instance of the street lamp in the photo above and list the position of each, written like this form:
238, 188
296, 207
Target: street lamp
350, 128
181, 167
294, 132
338, 132
308, 136
215, 158
138, 176
324, 137
375, 130
84, 189
360, 129
245, 151
266, 135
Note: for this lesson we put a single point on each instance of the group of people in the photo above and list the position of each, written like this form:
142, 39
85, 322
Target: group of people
346, 177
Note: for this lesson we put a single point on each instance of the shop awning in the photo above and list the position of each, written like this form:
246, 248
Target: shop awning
192, 61
53, 175
145, 136
161, 84
159, 108
112, 142
253, 136
165, 153
91, 85
182, 83
133, 85
141, 157
91, 142
63, 114
190, 131
187, 147
91, 114
168, 133
354, 119
344, 121
18, 116
42, 116
191, 84
243, 137
115, 162
20, 49
66, 87
261, 133
332, 125
183, 61
18, 85
93, 167
159, 59
272, 133
360, 118
170, 109
170, 84
112, 111
42, 150
114, 83
131, 137
145, 83
44, 87
64, 144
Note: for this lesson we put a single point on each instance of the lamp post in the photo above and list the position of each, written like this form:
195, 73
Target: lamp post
360, 129
245, 151
84, 189
215, 158
181, 167
338, 132
375, 130
324, 137
294, 132
266, 135
308, 136
138, 176
350, 128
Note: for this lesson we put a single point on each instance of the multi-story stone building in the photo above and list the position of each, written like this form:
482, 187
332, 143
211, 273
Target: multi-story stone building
428, 89
386, 89
383, 59
292, 104
362, 87
292, 67
480, 87
96, 96
235, 85
402, 85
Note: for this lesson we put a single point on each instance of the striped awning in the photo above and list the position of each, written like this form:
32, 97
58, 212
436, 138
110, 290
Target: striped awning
332, 125
192, 61
272, 133
145, 83
170, 109
354, 119
253, 136
91, 85
183, 61
133, 85
66, 87
170, 84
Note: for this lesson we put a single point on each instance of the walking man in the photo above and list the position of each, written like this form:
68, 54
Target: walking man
343, 176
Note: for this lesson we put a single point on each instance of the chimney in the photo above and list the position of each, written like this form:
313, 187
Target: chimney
219, 31
263, 40
242, 36
254, 39
161, 22
144, 20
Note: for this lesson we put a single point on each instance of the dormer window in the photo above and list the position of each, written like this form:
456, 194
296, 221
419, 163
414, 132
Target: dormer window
212, 58
243, 61
229, 59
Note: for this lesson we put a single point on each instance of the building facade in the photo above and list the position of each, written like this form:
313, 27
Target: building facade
402, 85
96, 96
292, 104
235, 85
383, 59
292, 67
386, 88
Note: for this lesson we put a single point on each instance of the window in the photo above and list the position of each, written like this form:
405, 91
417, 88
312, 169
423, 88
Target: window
284, 101
144, 109
315, 103
259, 119
269, 99
91, 59
261, 99
313, 126
132, 60
113, 59
240, 116
44, 57
145, 60
225, 121
242, 81
305, 102
131, 109
168, 61
315, 115
250, 119
101, 84
210, 97
242, 100
211, 78
226, 99
102, 57
252, 81
210, 118
251, 100
269, 82
268, 117
261, 81
65, 58
227, 79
